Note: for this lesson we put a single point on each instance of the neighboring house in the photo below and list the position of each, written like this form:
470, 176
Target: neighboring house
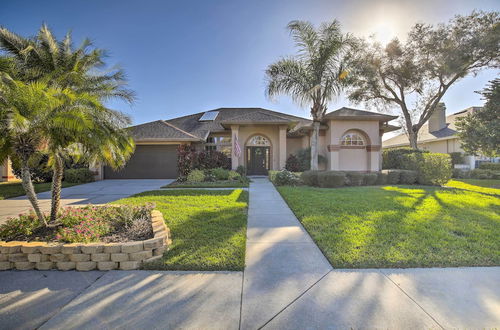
256, 138
438, 135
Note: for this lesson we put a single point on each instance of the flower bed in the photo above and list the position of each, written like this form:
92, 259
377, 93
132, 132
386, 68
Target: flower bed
86, 242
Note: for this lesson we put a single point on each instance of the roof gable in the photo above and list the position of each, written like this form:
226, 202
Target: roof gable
345, 113
159, 130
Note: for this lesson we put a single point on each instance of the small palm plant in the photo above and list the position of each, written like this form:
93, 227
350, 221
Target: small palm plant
316, 75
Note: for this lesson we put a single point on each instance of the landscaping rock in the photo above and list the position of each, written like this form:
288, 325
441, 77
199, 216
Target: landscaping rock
130, 265
159, 251
140, 255
59, 257
71, 248
113, 248
5, 265
119, 257
80, 257
85, 266
100, 257
132, 247
4, 257
18, 257
153, 243
92, 248
24, 265
66, 265
107, 265
11, 247
44, 265
31, 247
50, 249
38, 257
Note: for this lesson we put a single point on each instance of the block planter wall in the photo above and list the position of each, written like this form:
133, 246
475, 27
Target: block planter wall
84, 257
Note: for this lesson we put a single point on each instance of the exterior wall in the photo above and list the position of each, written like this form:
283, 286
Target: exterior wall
353, 158
6, 173
442, 146
293, 145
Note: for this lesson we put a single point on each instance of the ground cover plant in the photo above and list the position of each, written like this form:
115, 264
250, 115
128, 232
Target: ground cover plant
208, 227
84, 225
15, 189
210, 178
400, 226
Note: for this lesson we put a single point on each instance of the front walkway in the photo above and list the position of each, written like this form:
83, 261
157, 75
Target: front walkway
98, 192
287, 284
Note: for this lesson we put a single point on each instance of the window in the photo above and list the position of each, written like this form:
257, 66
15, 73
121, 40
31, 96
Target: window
352, 139
219, 143
259, 141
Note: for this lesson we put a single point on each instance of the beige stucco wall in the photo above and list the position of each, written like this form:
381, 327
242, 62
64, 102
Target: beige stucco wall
293, 145
442, 146
352, 159
6, 173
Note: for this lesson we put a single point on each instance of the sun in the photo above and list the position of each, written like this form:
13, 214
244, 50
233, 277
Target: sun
383, 32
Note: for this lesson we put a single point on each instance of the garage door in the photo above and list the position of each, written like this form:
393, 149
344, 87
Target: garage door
148, 162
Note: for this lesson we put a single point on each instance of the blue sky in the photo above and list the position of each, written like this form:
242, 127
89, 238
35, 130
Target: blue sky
184, 57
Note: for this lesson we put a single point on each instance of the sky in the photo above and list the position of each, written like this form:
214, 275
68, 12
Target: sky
184, 57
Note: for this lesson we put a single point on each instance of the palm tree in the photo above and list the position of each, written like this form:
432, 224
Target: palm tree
316, 75
60, 65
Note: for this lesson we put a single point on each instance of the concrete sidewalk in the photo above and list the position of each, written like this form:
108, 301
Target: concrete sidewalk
287, 284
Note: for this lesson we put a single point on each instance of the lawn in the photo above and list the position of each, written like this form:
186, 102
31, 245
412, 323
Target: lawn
216, 184
208, 227
490, 187
15, 189
400, 226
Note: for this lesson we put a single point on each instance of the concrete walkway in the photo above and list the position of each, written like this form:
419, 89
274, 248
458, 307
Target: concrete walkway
287, 284
98, 192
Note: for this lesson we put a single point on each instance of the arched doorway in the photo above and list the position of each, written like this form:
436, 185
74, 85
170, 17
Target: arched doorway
258, 155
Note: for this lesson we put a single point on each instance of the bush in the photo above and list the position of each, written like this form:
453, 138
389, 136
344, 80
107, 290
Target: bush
233, 175
490, 166
39, 168
331, 179
293, 164
211, 159
396, 158
381, 178
196, 176
241, 170
479, 173
272, 175
458, 173
408, 177
354, 178
393, 176
304, 159
310, 178
78, 175
370, 179
286, 178
433, 169
457, 158
186, 156
220, 173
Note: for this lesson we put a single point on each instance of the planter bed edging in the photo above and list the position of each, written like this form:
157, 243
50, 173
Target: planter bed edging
131, 255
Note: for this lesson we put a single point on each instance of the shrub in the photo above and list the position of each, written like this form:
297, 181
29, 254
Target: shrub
381, 178
396, 158
241, 170
186, 156
293, 164
490, 166
196, 176
408, 177
433, 168
458, 173
233, 175
331, 179
304, 159
25, 224
211, 159
354, 178
39, 168
220, 173
393, 176
78, 175
310, 178
479, 173
370, 179
457, 158
272, 175
286, 178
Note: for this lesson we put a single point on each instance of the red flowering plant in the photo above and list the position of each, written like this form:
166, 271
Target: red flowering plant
24, 224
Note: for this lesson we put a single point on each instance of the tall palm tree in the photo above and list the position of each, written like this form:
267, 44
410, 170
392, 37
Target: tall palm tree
60, 65
316, 75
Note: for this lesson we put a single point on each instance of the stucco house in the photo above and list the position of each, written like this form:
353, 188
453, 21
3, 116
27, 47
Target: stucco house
439, 135
257, 138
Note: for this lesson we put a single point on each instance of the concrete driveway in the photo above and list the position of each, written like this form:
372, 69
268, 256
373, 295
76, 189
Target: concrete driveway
98, 192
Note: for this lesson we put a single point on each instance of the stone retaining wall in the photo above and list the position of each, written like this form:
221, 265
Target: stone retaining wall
83, 257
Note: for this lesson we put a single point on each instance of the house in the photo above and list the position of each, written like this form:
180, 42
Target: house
438, 135
256, 138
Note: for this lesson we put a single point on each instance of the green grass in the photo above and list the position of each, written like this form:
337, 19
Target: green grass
15, 189
490, 187
208, 227
400, 226
216, 184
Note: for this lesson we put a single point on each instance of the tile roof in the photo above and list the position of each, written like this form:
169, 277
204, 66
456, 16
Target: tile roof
424, 135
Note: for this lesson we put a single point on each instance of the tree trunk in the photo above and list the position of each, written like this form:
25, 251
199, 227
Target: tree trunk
314, 146
412, 137
56, 188
30, 192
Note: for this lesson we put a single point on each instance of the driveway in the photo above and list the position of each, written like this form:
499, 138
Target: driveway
98, 192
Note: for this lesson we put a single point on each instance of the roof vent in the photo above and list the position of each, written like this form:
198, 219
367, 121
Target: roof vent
209, 116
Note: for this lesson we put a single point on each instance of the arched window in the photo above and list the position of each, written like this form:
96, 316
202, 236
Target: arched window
352, 139
259, 141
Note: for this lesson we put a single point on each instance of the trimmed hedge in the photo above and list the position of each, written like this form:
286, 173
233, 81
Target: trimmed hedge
490, 166
381, 178
457, 158
331, 179
354, 178
479, 173
78, 175
408, 177
286, 178
396, 158
196, 176
310, 178
370, 179
393, 176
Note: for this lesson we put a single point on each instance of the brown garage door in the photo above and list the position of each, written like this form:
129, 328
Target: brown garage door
148, 162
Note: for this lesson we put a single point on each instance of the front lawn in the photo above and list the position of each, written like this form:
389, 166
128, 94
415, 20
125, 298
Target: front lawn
490, 187
208, 227
215, 184
15, 189
400, 226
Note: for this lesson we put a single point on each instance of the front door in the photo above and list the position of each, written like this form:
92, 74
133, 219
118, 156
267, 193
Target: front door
258, 160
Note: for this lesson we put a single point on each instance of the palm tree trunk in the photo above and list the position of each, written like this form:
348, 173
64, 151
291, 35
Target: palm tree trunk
56, 188
314, 146
30, 192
